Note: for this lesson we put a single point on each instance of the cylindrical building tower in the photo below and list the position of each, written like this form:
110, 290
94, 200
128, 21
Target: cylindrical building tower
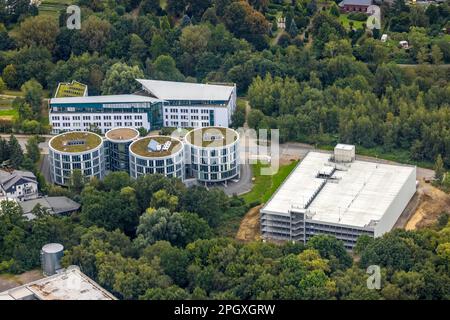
213, 154
117, 145
157, 154
80, 150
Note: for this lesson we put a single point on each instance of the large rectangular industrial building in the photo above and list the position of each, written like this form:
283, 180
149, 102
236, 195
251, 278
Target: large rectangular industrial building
158, 104
337, 195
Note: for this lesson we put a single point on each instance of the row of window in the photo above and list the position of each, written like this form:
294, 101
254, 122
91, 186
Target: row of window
184, 117
96, 117
136, 124
214, 152
75, 165
173, 174
214, 168
157, 163
186, 124
175, 110
217, 176
214, 161
74, 158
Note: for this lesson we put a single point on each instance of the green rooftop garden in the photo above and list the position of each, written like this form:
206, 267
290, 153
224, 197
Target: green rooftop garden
74, 142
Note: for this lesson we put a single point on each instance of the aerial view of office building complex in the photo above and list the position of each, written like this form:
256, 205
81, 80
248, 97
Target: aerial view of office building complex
340, 196
158, 104
208, 155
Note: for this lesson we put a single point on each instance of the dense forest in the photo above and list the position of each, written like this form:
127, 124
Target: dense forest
154, 239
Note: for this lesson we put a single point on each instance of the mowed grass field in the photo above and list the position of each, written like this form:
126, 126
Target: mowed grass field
53, 7
343, 18
266, 185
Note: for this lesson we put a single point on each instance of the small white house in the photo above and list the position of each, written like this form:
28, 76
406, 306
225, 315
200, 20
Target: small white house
384, 37
18, 185
404, 44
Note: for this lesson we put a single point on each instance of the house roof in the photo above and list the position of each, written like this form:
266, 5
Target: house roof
356, 2
171, 90
56, 205
7, 179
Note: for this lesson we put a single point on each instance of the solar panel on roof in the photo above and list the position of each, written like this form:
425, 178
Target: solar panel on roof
153, 145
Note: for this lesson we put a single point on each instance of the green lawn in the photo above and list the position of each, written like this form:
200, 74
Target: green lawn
53, 7
343, 18
266, 185
8, 113
5, 103
15, 93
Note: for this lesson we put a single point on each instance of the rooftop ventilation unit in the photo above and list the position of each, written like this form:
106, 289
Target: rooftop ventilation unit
344, 153
166, 145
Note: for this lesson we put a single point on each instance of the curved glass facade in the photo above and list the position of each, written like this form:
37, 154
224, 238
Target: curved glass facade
214, 164
91, 163
170, 166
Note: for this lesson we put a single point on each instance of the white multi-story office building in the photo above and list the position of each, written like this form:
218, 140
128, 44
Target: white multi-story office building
157, 154
158, 104
344, 198
213, 154
76, 150
105, 113
193, 105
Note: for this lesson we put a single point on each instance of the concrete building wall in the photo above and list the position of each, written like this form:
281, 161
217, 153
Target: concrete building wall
396, 208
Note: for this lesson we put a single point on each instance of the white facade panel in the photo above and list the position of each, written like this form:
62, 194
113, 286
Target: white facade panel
397, 206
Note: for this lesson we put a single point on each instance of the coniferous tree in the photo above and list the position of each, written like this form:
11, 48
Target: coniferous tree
15, 152
439, 168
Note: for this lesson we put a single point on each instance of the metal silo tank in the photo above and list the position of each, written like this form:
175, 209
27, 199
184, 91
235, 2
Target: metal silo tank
51, 255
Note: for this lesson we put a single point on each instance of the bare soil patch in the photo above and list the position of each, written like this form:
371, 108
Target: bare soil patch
433, 202
249, 230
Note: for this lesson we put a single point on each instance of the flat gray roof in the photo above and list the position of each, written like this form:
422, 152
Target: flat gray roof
71, 284
362, 191
171, 90
121, 98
